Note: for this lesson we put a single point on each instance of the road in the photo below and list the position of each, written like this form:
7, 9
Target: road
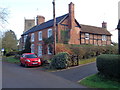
15, 76
77, 73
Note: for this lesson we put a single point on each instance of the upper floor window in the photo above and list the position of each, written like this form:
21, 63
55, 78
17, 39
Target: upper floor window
32, 37
87, 36
49, 32
40, 36
104, 37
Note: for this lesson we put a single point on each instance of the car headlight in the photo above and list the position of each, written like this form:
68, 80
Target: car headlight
27, 60
39, 60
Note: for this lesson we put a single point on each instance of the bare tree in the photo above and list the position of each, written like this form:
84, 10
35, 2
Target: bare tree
3, 15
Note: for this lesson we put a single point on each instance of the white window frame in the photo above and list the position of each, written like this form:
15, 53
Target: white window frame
40, 35
87, 36
32, 37
40, 50
25, 37
104, 38
32, 48
49, 33
48, 50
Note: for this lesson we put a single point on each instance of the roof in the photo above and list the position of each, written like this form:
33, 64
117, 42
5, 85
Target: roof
93, 29
44, 25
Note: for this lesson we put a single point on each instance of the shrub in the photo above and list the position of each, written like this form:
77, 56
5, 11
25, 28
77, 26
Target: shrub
109, 65
62, 48
59, 61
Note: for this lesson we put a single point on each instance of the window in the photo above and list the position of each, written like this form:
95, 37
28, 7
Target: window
40, 50
49, 32
40, 36
104, 37
32, 48
49, 50
25, 37
86, 35
32, 37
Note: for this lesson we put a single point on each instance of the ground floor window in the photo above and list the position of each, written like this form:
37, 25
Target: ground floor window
50, 49
40, 50
32, 48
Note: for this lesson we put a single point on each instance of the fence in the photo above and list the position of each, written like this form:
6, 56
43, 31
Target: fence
73, 61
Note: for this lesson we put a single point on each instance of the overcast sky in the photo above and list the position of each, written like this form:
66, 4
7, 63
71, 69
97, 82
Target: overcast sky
88, 12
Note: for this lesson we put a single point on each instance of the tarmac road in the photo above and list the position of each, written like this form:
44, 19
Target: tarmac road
77, 73
15, 76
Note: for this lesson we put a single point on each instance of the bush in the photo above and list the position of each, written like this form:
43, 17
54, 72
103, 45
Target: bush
59, 61
109, 65
62, 48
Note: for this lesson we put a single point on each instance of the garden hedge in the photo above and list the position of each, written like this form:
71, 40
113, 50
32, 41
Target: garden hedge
109, 65
59, 61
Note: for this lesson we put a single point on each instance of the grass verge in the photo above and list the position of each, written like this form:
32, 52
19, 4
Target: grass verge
11, 59
85, 61
98, 81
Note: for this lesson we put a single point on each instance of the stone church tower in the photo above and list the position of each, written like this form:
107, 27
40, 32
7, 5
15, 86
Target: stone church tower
28, 23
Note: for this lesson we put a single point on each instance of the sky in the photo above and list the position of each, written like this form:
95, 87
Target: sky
88, 12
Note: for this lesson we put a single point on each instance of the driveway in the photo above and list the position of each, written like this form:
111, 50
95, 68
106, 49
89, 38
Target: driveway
77, 73
15, 76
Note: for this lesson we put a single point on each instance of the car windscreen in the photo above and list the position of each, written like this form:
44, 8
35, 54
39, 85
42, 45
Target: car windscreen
31, 56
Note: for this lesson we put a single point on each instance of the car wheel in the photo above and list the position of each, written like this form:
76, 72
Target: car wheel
26, 65
21, 64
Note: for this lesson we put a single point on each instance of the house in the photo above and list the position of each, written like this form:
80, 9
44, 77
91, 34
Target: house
68, 31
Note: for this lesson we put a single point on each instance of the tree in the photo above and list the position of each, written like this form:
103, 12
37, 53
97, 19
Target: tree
3, 15
9, 41
27, 45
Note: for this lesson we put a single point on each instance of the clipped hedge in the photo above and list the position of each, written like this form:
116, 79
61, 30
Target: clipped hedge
109, 65
59, 61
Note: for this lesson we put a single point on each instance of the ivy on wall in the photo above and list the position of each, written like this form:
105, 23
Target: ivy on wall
65, 37
49, 40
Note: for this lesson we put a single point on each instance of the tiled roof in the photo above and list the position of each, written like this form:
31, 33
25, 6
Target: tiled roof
93, 29
45, 24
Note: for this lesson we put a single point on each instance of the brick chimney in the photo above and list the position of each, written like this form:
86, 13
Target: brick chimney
71, 16
104, 25
40, 19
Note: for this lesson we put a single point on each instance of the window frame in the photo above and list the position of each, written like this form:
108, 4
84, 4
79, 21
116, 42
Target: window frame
50, 34
40, 35
32, 48
104, 37
32, 37
87, 36
48, 50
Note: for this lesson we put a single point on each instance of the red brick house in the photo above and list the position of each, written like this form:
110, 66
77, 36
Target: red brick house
68, 31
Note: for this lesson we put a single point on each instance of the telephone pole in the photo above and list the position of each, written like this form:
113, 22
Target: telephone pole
54, 26
118, 27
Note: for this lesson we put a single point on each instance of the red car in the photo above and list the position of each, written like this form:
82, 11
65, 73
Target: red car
30, 59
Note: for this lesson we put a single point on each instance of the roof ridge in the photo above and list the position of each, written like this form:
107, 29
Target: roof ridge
46, 24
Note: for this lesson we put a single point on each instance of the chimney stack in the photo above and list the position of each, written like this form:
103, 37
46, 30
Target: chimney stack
71, 16
40, 19
104, 25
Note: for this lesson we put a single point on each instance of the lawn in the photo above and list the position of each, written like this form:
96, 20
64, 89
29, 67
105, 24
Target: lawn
98, 81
